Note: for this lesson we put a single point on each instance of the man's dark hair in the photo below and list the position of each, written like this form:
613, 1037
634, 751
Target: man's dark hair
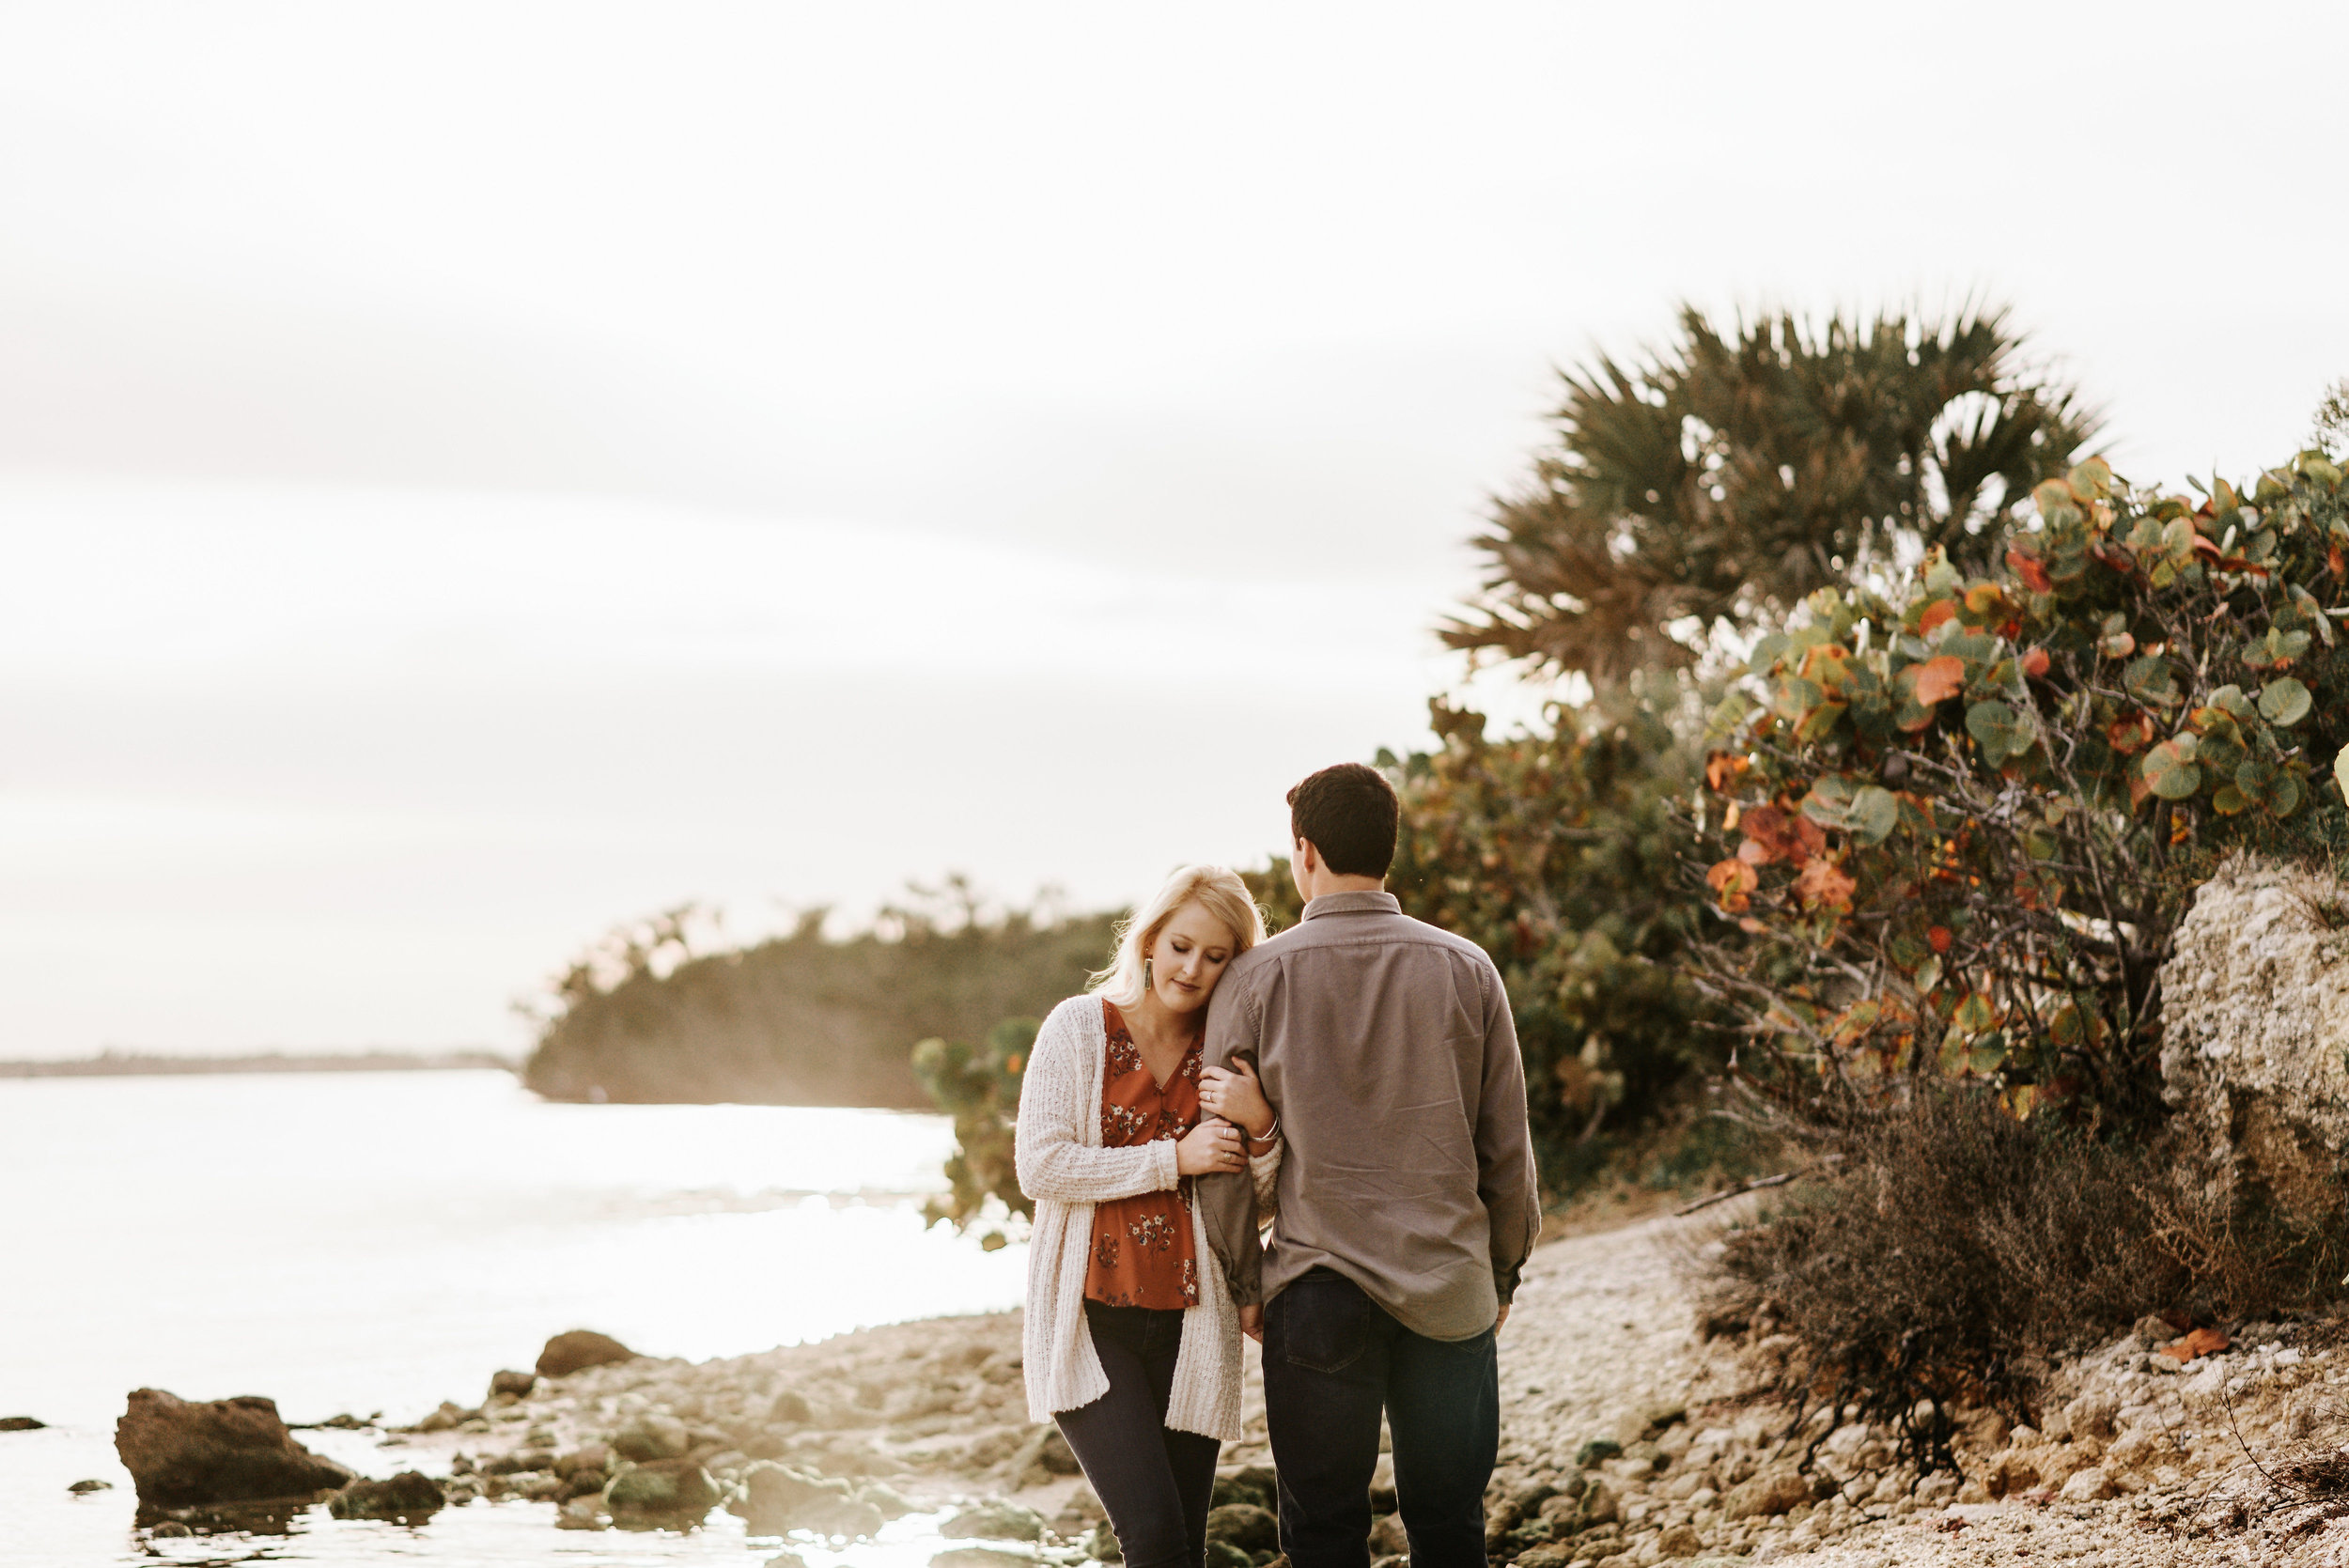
1349, 812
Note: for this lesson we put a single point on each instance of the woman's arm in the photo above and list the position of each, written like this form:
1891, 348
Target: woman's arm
1264, 1172
1048, 1150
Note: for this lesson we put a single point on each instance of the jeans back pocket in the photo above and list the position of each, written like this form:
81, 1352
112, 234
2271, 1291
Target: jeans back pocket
1324, 1322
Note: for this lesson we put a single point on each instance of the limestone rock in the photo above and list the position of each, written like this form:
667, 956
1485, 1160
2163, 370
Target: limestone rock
2255, 1024
994, 1521
80, 1487
1775, 1491
21, 1423
1044, 1456
1679, 1541
514, 1383
2090, 1485
1250, 1528
649, 1434
410, 1497
664, 1487
981, 1557
587, 1456
182, 1454
775, 1499
577, 1349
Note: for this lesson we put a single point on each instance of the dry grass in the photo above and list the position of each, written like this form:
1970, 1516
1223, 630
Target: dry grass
1951, 1253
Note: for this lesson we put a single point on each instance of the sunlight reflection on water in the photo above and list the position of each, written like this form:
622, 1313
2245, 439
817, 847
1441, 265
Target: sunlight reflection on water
383, 1241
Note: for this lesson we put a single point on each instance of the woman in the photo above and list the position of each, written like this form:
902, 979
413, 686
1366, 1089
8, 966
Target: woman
1131, 1342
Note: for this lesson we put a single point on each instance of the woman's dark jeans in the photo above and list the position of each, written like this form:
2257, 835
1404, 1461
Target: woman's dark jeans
1153, 1481
1333, 1360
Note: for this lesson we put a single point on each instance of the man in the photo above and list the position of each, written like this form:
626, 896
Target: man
1405, 1203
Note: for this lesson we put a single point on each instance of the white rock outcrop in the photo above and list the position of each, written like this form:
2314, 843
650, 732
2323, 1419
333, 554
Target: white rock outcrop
2255, 1033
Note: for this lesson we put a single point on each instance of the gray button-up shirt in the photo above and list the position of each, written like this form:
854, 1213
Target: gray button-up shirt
1387, 1048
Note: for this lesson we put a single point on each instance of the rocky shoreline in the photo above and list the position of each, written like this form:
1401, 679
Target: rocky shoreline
1629, 1442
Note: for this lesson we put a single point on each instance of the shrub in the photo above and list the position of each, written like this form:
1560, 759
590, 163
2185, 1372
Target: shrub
979, 1087
1557, 853
806, 1019
1949, 1251
1953, 828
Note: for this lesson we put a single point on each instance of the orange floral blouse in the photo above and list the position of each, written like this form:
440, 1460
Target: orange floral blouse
1142, 1255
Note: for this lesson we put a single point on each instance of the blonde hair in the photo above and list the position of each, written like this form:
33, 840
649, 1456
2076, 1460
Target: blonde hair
1216, 889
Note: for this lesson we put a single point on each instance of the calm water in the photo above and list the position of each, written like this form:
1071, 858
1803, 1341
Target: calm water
369, 1242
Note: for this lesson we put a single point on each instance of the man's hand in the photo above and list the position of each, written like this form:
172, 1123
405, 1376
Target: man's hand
1252, 1322
1503, 1318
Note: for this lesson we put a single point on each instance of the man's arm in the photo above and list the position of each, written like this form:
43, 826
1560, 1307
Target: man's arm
1506, 1178
1227, 1201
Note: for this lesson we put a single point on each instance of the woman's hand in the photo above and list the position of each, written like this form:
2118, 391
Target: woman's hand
1207, 1148
1234, 1093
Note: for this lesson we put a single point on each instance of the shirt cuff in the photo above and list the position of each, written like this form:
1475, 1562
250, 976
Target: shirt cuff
1168, 1171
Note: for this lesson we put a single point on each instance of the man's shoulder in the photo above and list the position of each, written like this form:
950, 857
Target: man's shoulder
1387, 928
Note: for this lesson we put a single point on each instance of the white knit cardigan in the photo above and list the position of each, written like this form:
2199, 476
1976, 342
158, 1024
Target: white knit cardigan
1064, 1170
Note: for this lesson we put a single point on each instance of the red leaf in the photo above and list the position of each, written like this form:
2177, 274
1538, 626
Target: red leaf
2035, 663
1823, 882
2034, 576
2203, 1342
1731, 876
1778, 836
1938, 936
1940, 609
1940, 679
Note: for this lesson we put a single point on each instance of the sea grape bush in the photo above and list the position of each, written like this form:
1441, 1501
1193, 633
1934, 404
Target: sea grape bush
979, 1087
1951, 827
1558, 852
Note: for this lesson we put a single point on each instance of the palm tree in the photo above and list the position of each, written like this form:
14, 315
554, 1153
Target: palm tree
1725, 479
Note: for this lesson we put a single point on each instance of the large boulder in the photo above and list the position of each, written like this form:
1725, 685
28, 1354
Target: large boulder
2255, 1035
576, 1350
182, 1454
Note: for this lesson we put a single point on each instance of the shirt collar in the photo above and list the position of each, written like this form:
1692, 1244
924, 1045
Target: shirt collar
1354, 904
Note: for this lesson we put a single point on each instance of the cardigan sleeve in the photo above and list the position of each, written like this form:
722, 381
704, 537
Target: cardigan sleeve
1053, 1162
1264, 1171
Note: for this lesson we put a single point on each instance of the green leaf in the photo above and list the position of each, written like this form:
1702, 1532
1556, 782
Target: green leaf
2340, 771
1985, 1054
1929, 973
1973, 1015
1818, 721
2150, 681
2000, 731
2169, 770
2284, 702
1874, 813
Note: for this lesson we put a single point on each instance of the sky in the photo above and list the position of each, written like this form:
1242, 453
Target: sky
473, 474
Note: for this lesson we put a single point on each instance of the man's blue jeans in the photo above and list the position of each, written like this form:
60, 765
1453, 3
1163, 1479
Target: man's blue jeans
1333, 1360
